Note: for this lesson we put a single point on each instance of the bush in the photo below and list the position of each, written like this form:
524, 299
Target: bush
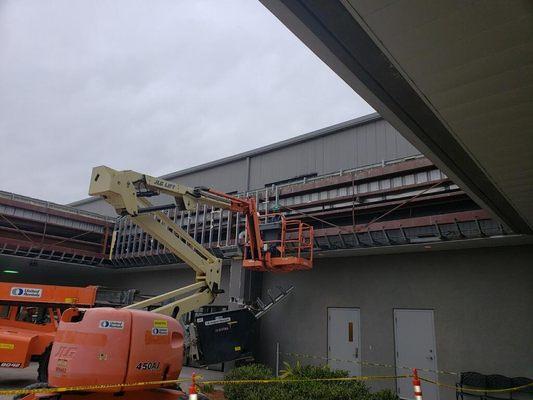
385, 394
294, 384
207, 388
244, 391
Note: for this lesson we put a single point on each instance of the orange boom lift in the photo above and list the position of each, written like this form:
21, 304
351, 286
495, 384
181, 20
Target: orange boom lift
30, 314
129, 345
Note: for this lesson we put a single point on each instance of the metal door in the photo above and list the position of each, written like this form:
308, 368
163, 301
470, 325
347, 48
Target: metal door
414, 334
344, 335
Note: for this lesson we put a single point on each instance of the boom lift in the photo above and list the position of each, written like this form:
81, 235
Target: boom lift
29, 315
108, 346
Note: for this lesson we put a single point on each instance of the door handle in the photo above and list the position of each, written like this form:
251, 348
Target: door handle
357, 352
429, 358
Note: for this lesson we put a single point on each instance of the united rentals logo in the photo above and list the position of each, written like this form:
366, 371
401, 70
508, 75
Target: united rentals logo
159, 331
107, 324
26, 292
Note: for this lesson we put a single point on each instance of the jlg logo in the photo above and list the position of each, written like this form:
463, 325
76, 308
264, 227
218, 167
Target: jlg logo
164, 184
65, 352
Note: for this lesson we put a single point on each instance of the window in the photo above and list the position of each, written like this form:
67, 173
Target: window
35, 315
4, 311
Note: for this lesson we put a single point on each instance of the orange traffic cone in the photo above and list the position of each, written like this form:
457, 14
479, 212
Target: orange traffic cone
193, 394
416, 385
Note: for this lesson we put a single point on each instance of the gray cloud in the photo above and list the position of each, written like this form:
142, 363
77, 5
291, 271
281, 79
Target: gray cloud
155, 86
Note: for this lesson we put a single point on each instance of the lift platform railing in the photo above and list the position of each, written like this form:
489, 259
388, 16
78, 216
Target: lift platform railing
287, 245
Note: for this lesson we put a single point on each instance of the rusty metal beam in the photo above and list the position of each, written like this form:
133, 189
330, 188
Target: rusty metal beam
450, 218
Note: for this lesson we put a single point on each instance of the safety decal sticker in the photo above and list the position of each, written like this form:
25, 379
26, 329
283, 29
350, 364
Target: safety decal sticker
160, 323
71, 300
7, 346
26, 292
61, 366
159, 331
107, 324
160, 327
218, 320
5, 364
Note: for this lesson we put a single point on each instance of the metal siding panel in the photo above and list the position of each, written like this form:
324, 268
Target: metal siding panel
229, 177
319, 155
381, 143
372, 150
355, 147
338, 152
391, 139
362, 147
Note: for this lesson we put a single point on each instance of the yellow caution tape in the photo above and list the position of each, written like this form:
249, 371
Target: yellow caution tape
87, 388
280, 380
246, 381
369, 363
477, 390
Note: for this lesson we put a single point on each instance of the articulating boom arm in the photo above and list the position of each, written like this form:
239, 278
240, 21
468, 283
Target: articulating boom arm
127, 192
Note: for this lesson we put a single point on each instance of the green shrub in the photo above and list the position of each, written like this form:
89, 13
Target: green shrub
295, 384
244, 391
385, 394
206, 387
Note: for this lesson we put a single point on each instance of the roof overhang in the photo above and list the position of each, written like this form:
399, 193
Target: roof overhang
455, 78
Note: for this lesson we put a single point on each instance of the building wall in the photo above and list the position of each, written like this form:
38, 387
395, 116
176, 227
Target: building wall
482, 301
349, 146
158, 281
366, 144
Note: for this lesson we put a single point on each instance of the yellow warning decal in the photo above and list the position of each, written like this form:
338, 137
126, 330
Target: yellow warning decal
237, 348
7, 346
160, 323
71, 300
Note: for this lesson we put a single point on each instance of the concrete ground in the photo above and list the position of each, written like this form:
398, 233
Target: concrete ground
19, 378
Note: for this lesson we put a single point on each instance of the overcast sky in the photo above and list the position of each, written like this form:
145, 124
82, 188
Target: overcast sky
155, 86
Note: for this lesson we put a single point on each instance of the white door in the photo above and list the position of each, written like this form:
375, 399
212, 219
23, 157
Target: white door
414, 335
344, 335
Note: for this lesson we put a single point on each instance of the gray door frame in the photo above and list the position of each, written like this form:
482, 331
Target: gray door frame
358, 331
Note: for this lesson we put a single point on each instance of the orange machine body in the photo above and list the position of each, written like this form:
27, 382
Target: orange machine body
109, 346
29, 316
47, 294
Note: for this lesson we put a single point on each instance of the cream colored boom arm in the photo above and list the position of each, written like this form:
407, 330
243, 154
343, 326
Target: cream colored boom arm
126, 191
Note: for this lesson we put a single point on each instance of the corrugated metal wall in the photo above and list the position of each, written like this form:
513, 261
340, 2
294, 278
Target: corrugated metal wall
228, 177
367, 143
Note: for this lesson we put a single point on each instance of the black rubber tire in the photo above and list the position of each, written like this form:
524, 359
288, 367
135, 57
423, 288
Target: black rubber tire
38, 385
42, 371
